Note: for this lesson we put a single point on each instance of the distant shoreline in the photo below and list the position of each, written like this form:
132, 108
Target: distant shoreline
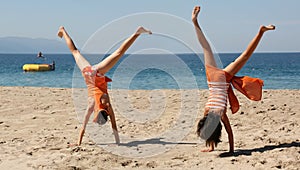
45, 53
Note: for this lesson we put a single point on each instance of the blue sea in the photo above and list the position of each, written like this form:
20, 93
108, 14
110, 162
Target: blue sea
150, 71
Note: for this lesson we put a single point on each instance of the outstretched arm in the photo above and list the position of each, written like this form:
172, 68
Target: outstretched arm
227, 125
114, 124
208, 54
106, 101
236, 66
88, 112
105, 65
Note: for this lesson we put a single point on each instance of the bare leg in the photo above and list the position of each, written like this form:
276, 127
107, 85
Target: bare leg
236, 66
208, 55
105, 65
80, 60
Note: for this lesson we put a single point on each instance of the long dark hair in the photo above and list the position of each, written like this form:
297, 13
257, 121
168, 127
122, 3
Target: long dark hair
215, 135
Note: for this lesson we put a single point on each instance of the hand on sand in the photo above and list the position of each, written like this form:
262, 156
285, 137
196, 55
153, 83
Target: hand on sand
73, 144
226, 154
207, 150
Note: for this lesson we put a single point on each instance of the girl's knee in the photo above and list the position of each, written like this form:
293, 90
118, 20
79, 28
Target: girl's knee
75, 52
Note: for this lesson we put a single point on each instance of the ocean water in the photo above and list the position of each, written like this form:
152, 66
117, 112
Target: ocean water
150, 71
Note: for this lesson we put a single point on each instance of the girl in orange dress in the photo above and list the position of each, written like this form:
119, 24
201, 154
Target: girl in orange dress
98, 98
220, 90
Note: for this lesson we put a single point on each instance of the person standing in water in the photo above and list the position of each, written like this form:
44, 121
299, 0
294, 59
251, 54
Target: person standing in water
96, 81
40, 55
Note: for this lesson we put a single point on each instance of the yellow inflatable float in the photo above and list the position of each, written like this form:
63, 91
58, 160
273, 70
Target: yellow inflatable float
39, 67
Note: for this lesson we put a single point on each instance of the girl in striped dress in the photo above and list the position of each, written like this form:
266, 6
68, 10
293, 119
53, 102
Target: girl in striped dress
220, 90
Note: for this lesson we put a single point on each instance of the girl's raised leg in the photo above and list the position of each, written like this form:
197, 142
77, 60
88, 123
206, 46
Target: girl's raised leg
105, 65
208, 54
236, 66
80, 60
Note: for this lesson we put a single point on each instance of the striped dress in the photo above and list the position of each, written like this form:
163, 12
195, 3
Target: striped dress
220, 90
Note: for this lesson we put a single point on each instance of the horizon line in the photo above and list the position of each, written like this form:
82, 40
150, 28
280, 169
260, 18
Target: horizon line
259, 52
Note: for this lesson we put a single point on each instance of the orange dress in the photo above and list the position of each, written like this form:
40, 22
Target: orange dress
96, 86
249, 86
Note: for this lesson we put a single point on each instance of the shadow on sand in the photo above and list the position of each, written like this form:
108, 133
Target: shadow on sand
249, 152
158, 141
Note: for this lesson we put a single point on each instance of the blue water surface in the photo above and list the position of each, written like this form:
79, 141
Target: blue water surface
278, 70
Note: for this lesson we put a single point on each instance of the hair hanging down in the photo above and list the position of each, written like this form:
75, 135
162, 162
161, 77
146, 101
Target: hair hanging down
102, 117
215, 135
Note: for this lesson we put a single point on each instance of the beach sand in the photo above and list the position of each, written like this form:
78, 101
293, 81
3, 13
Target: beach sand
157, 130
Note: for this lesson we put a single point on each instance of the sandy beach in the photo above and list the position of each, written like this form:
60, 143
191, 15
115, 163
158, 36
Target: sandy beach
157, 130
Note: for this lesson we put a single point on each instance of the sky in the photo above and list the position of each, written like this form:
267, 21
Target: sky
229, 25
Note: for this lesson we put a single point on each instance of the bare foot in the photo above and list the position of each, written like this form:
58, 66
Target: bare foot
195, 13
142, 30
267, 28
61, 31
